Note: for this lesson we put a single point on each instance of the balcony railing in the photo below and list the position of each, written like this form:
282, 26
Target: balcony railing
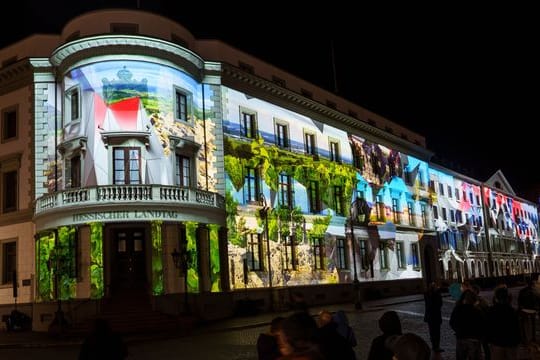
157, 194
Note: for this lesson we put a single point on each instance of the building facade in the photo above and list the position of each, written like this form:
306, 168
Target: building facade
136, 158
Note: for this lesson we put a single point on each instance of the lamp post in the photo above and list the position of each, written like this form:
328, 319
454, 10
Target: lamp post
356, 282
181, 261
263, 212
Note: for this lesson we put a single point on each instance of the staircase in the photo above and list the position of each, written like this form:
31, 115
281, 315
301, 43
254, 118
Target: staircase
130, 312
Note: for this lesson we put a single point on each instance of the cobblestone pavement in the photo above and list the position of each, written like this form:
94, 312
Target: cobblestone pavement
235, 340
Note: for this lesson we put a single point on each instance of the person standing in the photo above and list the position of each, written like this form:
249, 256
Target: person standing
433, 316
527, 306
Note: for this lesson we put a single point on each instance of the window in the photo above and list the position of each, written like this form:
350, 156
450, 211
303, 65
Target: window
364, 262
395, 211
127, 165
341, 252
441, 189
410, 212
318, 253
285, 190
9, 261
424, 215
383, 258
72, 105
452, 216
183, 171
74, 172
400, 254
251, 187
334, 151
9, 191
9, 124
314, 197
444, 215
254, 252
181, 106
248, 127
290, 253
449, 191
282, 135
309, 144
338, 200
457, 194
435, 212
414, 256
471, 198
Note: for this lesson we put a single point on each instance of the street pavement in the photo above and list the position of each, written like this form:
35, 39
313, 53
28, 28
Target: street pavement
235, 338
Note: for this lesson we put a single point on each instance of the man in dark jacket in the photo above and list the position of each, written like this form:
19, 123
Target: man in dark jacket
432, 315
527, 306
503, 327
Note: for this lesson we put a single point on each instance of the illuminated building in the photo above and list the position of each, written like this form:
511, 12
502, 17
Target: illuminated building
124, 142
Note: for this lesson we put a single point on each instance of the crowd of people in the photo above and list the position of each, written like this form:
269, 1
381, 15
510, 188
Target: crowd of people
485, 329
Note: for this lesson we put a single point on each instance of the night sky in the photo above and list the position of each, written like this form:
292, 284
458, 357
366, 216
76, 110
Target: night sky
467, 79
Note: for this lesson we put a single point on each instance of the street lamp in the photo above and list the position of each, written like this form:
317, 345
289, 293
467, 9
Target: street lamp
263, 212
181, 261
356, 282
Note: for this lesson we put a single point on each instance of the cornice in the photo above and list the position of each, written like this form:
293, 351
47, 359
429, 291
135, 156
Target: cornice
70, 54
269, 90
15, 76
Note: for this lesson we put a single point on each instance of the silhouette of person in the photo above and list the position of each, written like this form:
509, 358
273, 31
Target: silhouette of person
410, 346
267, 344
433, 316
103, 344
343, 327
390, 325
332, 344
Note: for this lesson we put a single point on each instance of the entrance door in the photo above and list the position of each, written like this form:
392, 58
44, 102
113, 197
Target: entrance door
129, 268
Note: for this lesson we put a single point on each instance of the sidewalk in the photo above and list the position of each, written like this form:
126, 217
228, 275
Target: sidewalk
32, 339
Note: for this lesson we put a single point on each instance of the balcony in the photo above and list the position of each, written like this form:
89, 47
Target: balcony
129, 202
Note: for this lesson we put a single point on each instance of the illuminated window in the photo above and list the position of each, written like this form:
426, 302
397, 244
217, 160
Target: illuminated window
282, 135
400, 254
424, 215
248, 127
309, 144
314, 197
341, 254
290, 252
338, 200
334, 151
318, 253
410, 213
254, 252
285, 190
127, 165
183, 171
251, 187
9, 261
395, 211
383, 256
73, 172
72, 105
181, 105
364, 262
9, 124
415, 257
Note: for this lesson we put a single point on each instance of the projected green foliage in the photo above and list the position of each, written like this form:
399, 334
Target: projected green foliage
96, 260
214, 258
45, 248
157, 259
193, 265
272, 161
66, 262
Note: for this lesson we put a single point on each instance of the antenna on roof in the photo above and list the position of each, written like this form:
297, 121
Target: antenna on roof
333, 59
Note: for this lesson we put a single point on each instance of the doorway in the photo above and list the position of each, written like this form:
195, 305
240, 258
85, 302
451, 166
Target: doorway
129, 266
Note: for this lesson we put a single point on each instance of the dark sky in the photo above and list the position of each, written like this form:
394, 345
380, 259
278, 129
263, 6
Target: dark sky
465, 78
